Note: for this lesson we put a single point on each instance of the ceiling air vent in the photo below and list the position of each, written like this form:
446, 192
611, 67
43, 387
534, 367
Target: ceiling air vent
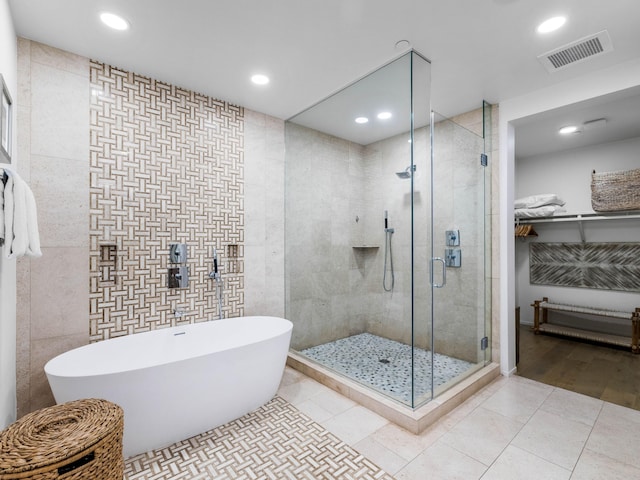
577, 51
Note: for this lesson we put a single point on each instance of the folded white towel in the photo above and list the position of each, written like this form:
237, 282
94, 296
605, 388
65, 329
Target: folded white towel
545, 211
20, 219
539, 200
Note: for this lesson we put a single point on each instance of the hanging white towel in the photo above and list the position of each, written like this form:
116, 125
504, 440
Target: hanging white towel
1, 207
20, 219
8, 213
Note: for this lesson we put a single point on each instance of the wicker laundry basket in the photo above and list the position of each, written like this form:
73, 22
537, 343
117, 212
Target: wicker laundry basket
615, 191
77, 440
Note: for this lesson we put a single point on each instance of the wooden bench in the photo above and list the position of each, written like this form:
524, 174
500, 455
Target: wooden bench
541, 324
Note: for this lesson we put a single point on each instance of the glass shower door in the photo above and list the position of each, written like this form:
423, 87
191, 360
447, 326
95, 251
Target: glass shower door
457, 242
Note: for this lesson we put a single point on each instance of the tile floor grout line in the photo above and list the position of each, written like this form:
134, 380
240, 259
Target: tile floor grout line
507, 445
588, 437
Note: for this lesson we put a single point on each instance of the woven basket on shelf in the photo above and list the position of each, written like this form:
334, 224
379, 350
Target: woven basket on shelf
615, 191
77, 440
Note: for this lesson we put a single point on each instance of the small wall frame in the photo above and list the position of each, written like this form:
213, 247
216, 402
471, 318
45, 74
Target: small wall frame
6, 126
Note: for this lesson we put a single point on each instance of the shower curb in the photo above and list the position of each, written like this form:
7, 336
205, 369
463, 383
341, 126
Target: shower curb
414, 420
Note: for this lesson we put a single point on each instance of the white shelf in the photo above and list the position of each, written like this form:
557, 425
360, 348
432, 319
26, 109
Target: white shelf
579, 218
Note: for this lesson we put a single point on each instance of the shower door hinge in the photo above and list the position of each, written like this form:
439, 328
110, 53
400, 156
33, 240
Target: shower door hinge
484, 160
484, 343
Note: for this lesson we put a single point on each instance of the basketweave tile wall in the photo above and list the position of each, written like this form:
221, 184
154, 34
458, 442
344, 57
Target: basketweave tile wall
166, 166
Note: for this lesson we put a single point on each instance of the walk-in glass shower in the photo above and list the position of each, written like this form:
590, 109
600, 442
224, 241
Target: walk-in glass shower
386, 236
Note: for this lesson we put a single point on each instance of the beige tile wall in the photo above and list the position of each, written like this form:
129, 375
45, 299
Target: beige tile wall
53, 143
264, 214
326, 287
166, 167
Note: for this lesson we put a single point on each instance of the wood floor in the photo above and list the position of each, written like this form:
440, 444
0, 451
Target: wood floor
597, 371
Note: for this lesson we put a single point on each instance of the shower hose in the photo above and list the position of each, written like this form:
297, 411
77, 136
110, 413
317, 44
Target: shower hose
388, 256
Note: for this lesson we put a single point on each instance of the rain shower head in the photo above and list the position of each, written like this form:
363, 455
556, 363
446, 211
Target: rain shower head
406, 173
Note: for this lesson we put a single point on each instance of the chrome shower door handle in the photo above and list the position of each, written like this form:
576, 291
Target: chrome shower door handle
444, 272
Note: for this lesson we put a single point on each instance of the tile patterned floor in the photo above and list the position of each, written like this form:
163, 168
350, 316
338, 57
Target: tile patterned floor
514, 429
385, 365
276, 441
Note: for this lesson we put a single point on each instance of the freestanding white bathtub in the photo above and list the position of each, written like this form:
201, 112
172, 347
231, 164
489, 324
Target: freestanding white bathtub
177, 382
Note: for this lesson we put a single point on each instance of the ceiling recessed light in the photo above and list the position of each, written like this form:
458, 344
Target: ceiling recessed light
114, 21
551, 24
362, 120
568, 129
260, 79
384, 115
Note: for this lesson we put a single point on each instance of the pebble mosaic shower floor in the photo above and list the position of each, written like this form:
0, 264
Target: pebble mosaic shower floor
385, 365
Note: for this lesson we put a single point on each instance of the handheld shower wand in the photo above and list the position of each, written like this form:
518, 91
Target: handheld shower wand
215, 275
386, 223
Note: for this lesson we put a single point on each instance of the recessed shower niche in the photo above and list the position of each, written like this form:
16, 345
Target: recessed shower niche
368, 204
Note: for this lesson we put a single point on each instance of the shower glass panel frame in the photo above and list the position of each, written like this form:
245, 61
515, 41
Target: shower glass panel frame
358, 195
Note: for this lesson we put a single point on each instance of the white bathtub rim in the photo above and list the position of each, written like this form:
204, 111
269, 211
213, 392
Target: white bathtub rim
59, 365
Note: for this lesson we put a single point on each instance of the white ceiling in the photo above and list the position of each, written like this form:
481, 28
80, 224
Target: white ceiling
479, 49
538, 134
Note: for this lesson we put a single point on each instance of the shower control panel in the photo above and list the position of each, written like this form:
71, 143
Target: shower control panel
178, 272
452, 238
178, 253
453, 257
178, 277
